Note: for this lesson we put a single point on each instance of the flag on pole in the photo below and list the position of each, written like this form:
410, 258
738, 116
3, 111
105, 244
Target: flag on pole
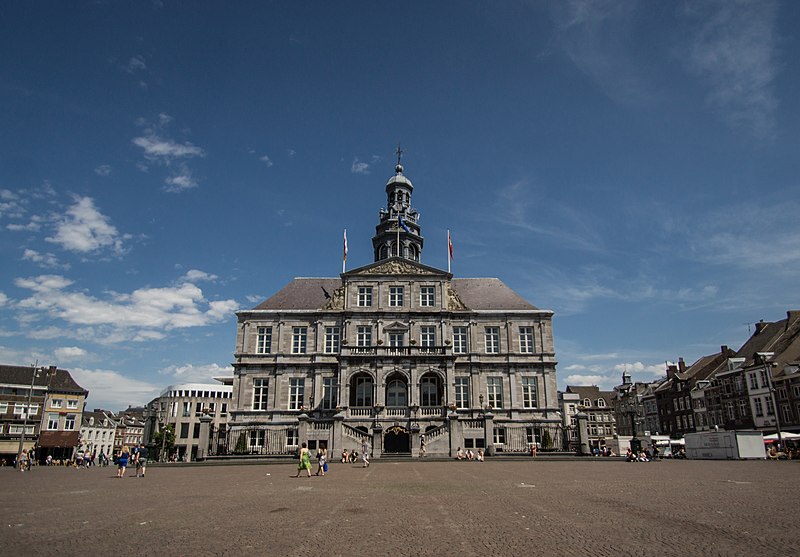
345, 245
450, 246
402, 224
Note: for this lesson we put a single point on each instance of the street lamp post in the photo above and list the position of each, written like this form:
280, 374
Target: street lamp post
636, 444
768, 372
35, 372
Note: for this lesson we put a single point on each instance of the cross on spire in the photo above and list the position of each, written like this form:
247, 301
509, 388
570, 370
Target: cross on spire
399, 152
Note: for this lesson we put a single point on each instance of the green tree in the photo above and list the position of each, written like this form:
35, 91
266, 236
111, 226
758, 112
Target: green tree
241, 444
547, 440
164, 441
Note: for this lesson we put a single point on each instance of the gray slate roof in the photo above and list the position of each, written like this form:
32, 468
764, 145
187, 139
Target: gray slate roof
476, 293
58, 380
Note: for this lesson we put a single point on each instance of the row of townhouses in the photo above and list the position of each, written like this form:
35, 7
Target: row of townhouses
43, 409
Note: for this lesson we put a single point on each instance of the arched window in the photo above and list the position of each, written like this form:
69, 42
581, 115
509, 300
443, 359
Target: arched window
601, 402
361, 390
430, 390
396, 392
587, 402
384, 252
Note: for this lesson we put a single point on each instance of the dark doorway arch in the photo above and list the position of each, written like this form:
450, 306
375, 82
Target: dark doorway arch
396, 439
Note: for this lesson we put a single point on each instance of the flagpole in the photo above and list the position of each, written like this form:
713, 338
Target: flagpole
344, 256
448, 250
398, 234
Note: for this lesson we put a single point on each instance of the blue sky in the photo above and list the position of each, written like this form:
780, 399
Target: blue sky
632, 166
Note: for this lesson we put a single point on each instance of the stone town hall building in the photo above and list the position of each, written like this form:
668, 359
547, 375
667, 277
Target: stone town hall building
393, 350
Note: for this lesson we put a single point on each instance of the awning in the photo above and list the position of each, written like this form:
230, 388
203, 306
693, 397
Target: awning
59, 439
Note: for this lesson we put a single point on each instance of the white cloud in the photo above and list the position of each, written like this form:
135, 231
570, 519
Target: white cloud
3, 299
102, 170
144, 314
255, 298
603, 381
291, 152
733, 51
266, 160
164, 149
46, 260
85, 229
180, 182
191, 373
194, 275
359, 167
70, 353
135, 64
113, 390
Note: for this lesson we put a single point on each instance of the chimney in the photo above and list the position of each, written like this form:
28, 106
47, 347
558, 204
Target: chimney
626, 378
681, 365
760, 326
723, 349
671, 369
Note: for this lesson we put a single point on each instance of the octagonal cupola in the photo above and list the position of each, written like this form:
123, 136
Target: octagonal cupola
398, 231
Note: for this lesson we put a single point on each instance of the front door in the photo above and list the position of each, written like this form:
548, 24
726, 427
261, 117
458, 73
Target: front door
396, 439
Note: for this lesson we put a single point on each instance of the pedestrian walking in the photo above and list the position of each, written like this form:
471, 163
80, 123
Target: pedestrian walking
364, 454
322, 461
422, 447
304, 461
141, 460
122, 461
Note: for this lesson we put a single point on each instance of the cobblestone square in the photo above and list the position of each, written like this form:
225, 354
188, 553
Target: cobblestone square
589, 507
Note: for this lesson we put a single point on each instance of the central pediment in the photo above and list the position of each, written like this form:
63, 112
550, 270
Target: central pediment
395, 266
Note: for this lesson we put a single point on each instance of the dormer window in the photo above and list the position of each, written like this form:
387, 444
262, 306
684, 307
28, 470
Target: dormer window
587, 402
601, 403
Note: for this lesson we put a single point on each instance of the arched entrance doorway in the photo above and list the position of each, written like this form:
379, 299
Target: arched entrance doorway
396, 439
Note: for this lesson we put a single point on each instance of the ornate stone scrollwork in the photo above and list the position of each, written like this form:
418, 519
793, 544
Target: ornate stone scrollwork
454, 302
337, 299
397, 268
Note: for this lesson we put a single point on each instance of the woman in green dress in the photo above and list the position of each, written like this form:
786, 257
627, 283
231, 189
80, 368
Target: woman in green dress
305, 461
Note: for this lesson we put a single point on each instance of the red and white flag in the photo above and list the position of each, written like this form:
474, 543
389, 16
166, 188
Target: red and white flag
345, 245
450, 246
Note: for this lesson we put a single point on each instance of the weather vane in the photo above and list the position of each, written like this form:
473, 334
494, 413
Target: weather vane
399, 153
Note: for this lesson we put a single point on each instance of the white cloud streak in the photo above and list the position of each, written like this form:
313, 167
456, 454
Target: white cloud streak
85, 229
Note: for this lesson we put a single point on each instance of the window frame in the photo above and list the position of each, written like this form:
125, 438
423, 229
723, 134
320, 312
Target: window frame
462, 392
461, 339
491, 340
526, 340
300, 339
333, 339
427, 296
260, 394
297, 387
264, 340
364, 296
530, 392
396, 296
494, 391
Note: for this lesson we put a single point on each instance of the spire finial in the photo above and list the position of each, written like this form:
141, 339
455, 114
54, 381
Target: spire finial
399, 152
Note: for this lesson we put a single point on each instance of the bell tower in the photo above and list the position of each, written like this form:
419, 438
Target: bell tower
398, 232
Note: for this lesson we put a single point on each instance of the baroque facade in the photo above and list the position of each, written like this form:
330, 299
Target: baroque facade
391, 351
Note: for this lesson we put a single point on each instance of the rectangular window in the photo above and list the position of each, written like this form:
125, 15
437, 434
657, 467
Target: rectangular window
299, 337
19, 409
72, 404
530, 397
759, 407
526, 340
743, 407
499, 436
396, 296
264, 340
292, 437
329, 393
17, 430
257, 439
365, 296
198, 409
297, 387
56, 403
184, 431
494, 390
753, 381
462, 392
3, 407
427, 296
492, 339
52, 422
427, 336
460, 336
786, 413
69, 422
224, 409
260, 392
364, 335
332, 337
770, 407
396, 340
187, 409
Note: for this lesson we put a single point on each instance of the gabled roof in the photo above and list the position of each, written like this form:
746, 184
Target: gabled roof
781, 337
489, 294
54, 379
592, 393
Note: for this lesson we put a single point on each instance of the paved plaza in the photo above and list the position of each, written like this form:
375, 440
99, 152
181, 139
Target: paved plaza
577, 507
